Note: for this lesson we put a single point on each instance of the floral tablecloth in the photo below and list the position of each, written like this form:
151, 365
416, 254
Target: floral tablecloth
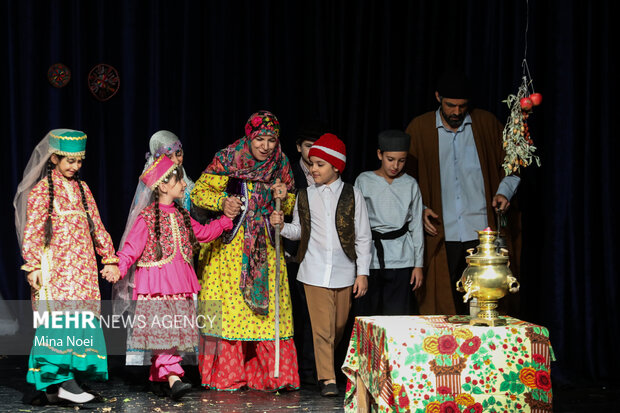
442, 364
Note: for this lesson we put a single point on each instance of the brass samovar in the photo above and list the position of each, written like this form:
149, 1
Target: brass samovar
487, 278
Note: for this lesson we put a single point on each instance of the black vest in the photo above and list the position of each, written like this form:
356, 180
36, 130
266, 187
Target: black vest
345, 221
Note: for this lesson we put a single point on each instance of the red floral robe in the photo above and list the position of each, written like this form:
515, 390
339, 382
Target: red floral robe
71, 256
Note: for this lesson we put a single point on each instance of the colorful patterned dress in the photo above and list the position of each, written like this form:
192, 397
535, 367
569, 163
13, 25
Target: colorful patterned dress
70, 267
163, 288
244, 354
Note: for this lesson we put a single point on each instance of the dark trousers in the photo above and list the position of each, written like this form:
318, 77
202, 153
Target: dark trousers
389, 293
456, 252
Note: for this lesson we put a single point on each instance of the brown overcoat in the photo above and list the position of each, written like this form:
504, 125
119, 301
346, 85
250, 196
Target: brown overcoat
435, 297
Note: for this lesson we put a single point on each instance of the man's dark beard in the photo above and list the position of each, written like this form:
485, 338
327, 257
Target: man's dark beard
455, 121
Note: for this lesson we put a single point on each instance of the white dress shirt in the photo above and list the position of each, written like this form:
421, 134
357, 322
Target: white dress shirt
325, 263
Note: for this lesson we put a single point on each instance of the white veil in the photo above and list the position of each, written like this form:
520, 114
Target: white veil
162, 141
34, 172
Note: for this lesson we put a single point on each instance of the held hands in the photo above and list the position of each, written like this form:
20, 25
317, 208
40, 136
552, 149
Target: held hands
361, 286
111, 273
232, 206
279, 190
417, 277
34, 279
500, 203
429, 215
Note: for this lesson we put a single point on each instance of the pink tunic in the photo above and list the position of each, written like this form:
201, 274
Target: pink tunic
174, 277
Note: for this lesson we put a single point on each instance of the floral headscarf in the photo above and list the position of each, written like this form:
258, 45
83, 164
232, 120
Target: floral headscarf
236, 161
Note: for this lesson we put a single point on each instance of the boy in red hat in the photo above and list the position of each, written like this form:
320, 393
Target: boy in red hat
331, 221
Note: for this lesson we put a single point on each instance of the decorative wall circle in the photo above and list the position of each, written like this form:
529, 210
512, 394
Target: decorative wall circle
58, 75
103, 81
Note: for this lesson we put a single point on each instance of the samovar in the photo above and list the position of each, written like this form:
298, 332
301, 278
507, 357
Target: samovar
487, 278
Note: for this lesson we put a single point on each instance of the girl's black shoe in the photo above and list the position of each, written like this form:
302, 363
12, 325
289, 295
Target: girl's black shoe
178, 389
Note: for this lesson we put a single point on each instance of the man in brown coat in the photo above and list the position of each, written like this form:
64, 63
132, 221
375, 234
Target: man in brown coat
456, 156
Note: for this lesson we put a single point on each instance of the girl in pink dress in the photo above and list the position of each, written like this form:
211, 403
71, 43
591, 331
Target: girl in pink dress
162, 242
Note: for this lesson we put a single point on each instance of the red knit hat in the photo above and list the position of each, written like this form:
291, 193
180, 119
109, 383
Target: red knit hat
331, 149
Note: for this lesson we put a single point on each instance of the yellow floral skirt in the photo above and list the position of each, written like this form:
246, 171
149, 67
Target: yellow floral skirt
219, 272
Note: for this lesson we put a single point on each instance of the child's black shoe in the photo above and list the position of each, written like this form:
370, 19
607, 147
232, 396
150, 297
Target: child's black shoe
328, 390
178, 389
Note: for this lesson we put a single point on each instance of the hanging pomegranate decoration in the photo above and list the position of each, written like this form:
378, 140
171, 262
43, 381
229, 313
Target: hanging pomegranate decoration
536, 99
517, 141
526, 103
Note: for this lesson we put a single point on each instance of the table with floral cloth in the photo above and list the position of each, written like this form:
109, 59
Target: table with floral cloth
442, 364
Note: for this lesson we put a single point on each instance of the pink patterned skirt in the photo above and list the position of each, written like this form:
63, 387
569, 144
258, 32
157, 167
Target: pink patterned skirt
164, 322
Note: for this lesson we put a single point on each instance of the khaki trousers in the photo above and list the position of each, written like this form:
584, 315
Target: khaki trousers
329, 310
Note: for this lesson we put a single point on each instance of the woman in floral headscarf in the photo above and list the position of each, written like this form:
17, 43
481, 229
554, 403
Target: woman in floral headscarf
239, 269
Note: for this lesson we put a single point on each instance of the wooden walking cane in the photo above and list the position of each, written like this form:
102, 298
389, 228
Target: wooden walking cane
276, 372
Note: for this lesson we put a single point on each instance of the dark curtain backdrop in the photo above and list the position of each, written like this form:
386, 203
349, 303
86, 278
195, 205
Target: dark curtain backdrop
200, 68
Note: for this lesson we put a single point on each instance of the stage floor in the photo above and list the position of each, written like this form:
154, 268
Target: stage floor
126, 391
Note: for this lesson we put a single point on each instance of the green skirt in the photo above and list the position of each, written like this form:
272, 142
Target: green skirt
68, 352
